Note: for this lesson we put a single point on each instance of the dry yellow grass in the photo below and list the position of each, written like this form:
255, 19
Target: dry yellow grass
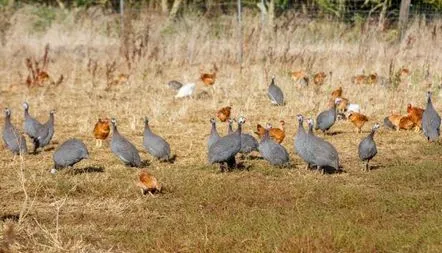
96, 207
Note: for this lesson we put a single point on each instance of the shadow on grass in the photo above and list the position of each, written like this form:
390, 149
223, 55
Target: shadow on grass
12, 217
89, 169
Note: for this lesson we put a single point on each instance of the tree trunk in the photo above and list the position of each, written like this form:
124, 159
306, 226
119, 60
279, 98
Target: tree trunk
272, 14
175, 8
403, 17
381, 24
164, 7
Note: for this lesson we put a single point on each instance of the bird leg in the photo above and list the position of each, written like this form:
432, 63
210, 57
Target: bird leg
307, 166
222, 167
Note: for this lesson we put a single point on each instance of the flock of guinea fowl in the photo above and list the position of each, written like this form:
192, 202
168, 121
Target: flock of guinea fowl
314, 150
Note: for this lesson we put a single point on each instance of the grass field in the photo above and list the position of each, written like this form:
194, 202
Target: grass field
96, 207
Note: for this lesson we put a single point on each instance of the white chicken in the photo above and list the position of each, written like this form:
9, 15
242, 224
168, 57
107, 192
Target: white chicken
186, 90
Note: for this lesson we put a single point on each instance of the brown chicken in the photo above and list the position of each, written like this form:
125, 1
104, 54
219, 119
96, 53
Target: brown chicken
415, 114
319, 78
223, 114
209, 78
148, 183
372, 78
277, 134
359, 79
358, 120
101, 131
297, 75
392, 121
336, 93
406, 123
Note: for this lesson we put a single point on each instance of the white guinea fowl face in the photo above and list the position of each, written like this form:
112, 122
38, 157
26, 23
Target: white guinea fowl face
299, 117
241, 120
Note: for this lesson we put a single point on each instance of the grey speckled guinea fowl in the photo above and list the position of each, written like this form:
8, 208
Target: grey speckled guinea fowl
327, 119
271, 151
14, 141
30, 125
123, 149
155, 145
431, 121
275, 93
45, 133
248, 142
324, 153
367, 147
301, 143
214, 136
68, 154
224, 150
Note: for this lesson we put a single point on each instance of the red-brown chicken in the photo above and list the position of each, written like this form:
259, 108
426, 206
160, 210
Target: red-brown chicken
101, 131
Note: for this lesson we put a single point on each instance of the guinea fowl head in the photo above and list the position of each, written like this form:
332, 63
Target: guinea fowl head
7, 112
26, 105
310, 122
241, 120
212, 120
429, 93
338, 101
300, 118
114, 122
376, 126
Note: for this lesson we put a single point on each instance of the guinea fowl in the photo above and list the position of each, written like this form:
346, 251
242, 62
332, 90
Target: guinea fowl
214, 136
248, 142
301, 143
327, 119
45, 133
123, 149
324, 154
68, 154
271, 151
275, 93
155, 145
30, 125
14, 141
431, 121
367, 147
225, 149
